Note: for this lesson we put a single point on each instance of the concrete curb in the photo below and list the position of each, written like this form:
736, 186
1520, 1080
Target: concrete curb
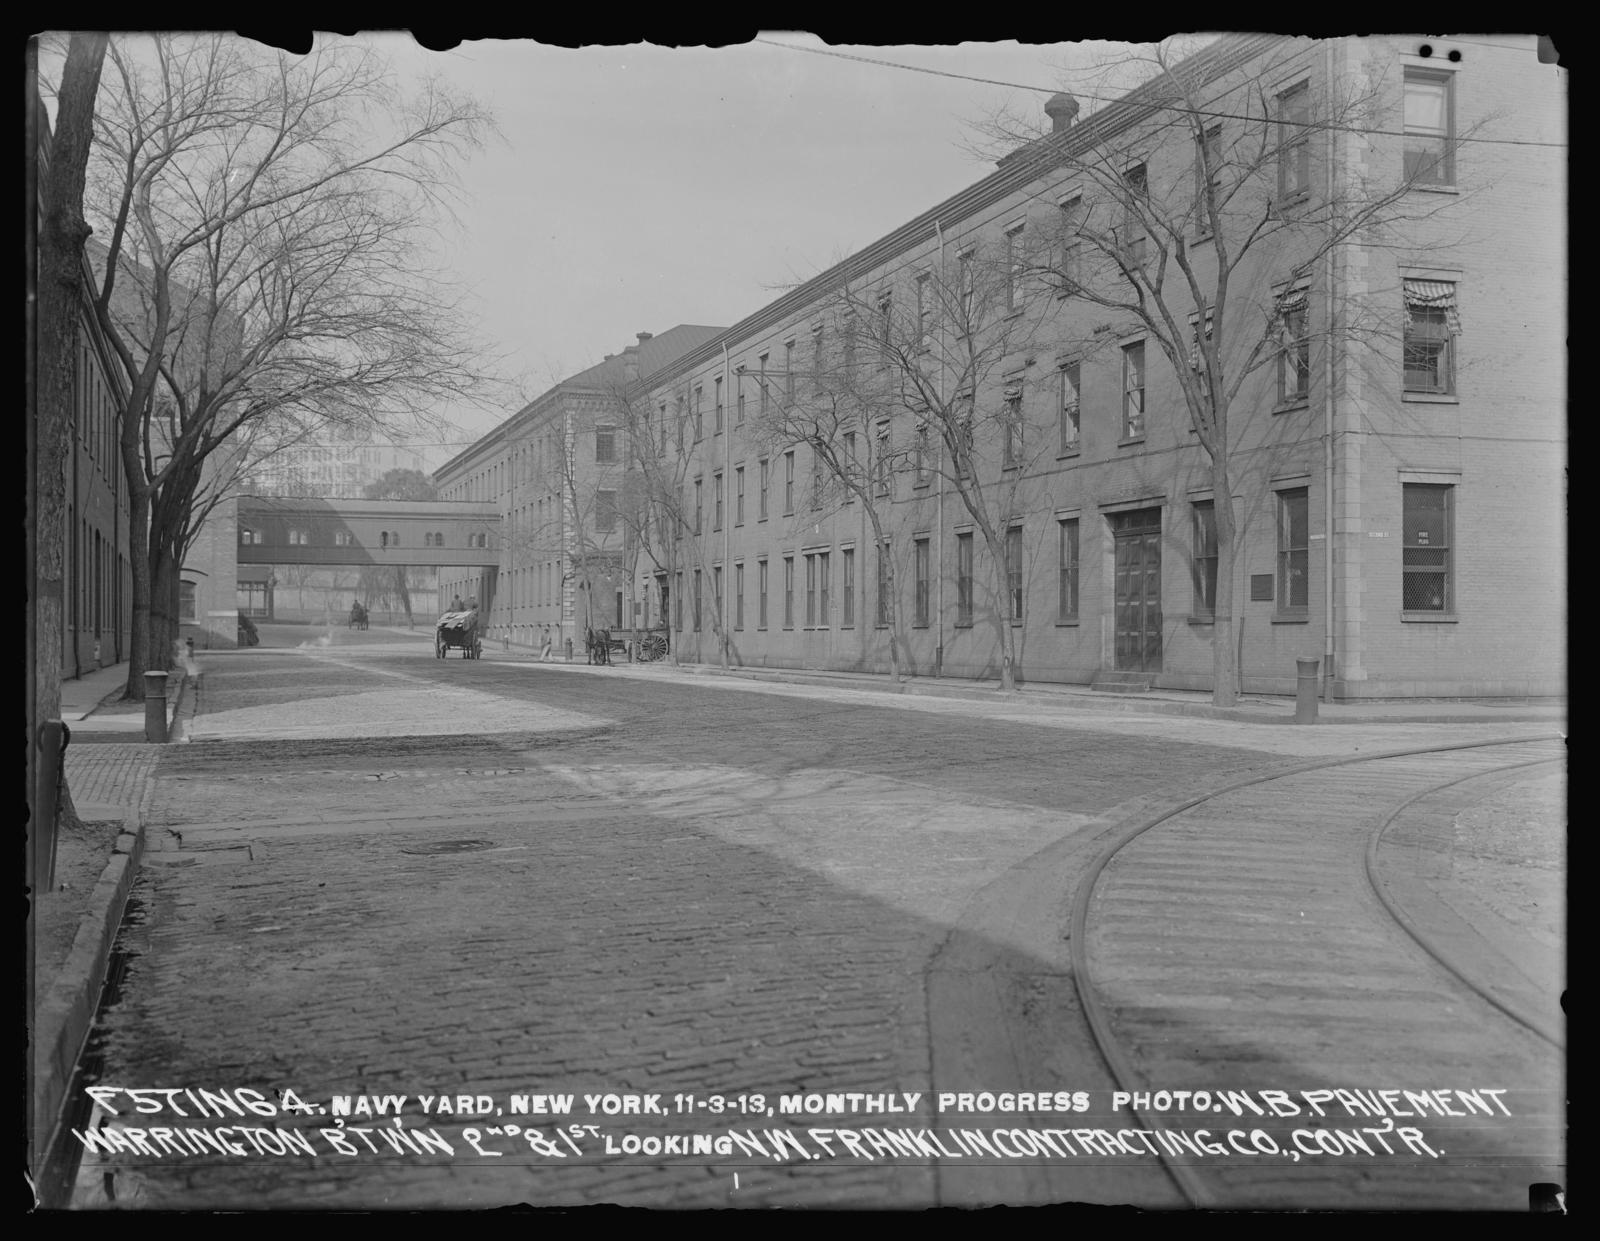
66, 1013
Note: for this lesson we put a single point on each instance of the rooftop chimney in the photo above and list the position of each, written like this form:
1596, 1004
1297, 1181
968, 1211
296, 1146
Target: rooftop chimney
1062, 110
644, 336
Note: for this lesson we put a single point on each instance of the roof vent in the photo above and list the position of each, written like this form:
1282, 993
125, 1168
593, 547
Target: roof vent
644, 336
1062, 110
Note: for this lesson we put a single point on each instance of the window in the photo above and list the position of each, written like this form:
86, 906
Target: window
427, 540
921, 456
788, 481
383, 538
699, 413
924, 313
964, 445
697, 491
788, 592
764, 393
920, 569
678, 418
1133, 391
1430, 121
247, 537
1294, 358
1135, 187
1197, 356
884, 596
1430, 330
677, 605
1425, 544
1069, 415
605, 445
186, 605
663, 429
716, 500
605, 511
697, 600
438, 538
811, 591
1293, 557
1014, 572
880, 462
885, 327
716, 597
816, 479
299, 538
1071, 260
1294, 142
849, 568
849, 464
738, 496
717, 390
766, 469
849, 334
738, 397
966, 286
788, 372
343, 538
738, 595
1011, 441
964, 578
761, 594
1205, 558
816, 356
1014, 265
822, 588
1067, 570
1207, 177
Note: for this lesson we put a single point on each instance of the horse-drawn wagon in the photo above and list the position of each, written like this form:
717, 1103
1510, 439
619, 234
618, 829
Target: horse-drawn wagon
458, 631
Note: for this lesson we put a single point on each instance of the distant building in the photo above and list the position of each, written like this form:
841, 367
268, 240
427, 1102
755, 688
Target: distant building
558, 469
332, 470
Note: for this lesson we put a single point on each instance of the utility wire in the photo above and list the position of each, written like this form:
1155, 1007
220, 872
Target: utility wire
1202, 112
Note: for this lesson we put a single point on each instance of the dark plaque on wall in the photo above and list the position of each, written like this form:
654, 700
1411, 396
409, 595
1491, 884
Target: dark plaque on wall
1261, 588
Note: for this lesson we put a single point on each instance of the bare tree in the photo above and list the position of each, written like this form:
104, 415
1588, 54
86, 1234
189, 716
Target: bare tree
935, 382
266, 222
1204, 213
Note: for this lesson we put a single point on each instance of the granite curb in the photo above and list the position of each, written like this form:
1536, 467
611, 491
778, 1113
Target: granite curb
66, 1012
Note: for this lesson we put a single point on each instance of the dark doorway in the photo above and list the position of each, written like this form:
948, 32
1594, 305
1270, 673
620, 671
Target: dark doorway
1137, 601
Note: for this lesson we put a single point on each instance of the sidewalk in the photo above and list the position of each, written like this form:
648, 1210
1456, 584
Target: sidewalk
1251, 709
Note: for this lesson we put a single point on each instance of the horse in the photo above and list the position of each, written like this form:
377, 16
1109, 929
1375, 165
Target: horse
597, 645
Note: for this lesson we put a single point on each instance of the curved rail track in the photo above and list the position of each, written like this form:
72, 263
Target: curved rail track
1229, 944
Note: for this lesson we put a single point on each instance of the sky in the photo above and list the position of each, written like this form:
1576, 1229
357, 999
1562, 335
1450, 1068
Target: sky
636, 188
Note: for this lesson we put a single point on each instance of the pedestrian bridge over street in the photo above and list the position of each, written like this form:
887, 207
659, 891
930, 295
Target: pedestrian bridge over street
313, 531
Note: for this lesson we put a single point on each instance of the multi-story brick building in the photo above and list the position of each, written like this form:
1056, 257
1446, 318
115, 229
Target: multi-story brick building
1396, 443
557, 469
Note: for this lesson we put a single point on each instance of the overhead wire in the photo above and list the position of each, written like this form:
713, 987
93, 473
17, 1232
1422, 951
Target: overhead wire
1208, 113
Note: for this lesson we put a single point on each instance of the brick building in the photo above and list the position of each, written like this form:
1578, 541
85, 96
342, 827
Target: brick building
1397, 448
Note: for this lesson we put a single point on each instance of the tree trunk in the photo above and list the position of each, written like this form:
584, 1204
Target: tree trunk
139, 565
57, 290
1224, 662
402, 587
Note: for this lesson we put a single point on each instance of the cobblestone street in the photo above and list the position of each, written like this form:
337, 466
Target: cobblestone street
375, 873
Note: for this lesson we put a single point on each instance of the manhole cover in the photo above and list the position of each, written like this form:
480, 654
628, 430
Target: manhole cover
452, 846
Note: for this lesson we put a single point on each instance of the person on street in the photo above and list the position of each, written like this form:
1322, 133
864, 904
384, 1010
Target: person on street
544, 644
455, 604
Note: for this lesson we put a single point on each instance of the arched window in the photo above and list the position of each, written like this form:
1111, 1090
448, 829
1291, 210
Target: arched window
383, 539
427, 540
438, 539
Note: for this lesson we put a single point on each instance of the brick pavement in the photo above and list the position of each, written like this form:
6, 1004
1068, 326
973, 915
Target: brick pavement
762, 917
107, 774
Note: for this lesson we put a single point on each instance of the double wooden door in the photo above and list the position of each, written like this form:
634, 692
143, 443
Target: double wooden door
1137, 601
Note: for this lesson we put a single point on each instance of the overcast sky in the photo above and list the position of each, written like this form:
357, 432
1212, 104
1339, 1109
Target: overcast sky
642, 187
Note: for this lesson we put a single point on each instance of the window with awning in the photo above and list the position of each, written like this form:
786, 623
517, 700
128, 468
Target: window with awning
1432, 324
